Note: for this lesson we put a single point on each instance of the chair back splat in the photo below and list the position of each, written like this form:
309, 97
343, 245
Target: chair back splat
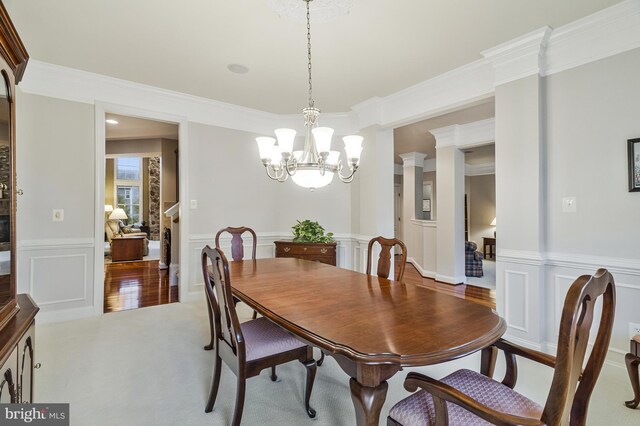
569, 394
237, 247
220, 299
384, 261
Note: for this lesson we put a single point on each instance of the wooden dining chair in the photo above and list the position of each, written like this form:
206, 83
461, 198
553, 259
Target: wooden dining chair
237, 244
384, 261
237, 253
250, 347
466, 397
632, 359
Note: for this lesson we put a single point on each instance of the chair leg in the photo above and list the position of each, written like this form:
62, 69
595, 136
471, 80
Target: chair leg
311, 367
237, 413
210, 311
321, 360
273, 374
215, 383
632, 368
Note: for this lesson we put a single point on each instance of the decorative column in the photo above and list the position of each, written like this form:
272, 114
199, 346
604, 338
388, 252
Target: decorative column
520, 186
450, 204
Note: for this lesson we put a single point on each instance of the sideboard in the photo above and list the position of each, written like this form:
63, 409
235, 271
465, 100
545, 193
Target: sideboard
317, 252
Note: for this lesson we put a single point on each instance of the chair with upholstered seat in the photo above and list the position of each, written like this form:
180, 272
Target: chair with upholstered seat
250, 347
633, 360
469, 398
472, 260
237, 253
384, 260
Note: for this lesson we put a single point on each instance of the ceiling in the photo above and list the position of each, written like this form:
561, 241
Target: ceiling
416, 137
380, 47
138, 128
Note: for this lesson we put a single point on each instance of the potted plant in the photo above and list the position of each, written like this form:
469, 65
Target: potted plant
310, 242
308, 231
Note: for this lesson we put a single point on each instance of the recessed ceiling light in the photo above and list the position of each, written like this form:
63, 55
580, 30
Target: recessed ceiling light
111, 121
237, 68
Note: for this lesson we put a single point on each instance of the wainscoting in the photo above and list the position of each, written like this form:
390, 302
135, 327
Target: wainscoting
59, 276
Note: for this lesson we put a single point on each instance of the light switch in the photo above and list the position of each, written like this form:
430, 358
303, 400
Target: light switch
58, 215
194, 204
569, 205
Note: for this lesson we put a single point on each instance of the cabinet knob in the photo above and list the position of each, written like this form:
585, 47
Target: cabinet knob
323, 250
287, 249
38, 365
305, 249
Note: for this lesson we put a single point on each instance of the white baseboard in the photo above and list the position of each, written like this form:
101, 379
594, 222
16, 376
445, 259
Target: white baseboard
65, 315
451, 280
425, 273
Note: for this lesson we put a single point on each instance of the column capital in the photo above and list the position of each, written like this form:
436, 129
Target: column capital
413, 159
520, 57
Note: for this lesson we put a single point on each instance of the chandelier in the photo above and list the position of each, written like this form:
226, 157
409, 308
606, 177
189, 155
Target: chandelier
314, 166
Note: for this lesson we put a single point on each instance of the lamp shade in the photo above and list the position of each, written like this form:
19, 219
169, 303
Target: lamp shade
265, 146
493, 222
322, 136
108, 208
285, 139
118, 214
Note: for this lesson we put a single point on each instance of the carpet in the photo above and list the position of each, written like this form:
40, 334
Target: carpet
147, 367
488, 280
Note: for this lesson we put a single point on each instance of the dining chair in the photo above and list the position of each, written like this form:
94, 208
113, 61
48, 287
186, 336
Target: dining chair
250, 347
632, 359
466, 397
384, 261
237, 244
237, 253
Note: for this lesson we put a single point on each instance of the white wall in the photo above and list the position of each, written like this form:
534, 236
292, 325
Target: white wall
592, 111
481, 197
55, 167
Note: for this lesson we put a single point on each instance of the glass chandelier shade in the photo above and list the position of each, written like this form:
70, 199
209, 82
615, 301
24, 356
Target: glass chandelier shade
314, 166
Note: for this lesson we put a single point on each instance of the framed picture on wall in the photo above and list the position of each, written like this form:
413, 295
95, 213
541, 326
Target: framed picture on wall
426, 205
634, 164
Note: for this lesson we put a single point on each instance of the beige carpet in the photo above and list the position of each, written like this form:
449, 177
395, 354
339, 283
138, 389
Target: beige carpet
147, 367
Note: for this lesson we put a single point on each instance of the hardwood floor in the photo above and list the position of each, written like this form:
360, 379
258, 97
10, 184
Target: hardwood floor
132, 285
484, 296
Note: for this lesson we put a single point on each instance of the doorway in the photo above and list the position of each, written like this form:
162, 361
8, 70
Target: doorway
141, 183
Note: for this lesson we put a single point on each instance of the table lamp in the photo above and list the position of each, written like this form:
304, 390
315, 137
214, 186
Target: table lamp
493, 223
118, 214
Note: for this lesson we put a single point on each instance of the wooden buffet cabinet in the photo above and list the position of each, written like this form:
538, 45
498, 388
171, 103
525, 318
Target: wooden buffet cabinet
17, 313
318, 252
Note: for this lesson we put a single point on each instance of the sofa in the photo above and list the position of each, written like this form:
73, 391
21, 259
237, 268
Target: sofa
116, 229
472, 260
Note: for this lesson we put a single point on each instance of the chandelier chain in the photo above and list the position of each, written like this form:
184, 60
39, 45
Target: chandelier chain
311, 102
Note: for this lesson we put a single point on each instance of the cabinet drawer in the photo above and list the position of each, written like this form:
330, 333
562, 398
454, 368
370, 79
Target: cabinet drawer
297, 249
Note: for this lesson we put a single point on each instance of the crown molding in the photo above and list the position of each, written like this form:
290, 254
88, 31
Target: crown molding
413, 159
545, 51
466, 135
429, 165
480, 169
520, 57
70, 84
605, 33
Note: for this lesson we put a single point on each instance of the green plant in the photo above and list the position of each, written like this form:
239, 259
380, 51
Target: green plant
310, 232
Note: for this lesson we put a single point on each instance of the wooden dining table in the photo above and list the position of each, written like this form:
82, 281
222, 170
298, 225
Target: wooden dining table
373, 327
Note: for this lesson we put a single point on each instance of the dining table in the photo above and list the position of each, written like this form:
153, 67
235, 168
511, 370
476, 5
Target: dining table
373, 327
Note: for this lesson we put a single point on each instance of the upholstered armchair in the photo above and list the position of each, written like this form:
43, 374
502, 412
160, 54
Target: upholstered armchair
472, 260
116, 229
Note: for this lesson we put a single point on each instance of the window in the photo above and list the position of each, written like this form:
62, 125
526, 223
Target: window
128, 187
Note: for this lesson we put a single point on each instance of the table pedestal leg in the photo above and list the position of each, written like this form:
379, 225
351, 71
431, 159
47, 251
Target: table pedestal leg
368, 402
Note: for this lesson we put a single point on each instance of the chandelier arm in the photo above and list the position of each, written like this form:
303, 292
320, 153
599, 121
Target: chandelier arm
348, 178
274, 174
291, 166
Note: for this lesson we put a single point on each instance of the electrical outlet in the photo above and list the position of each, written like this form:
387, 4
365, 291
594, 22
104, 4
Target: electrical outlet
569, 205
194, 204
58, 215
634, 329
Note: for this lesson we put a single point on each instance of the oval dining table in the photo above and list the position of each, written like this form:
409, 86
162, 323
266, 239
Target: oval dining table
373, 327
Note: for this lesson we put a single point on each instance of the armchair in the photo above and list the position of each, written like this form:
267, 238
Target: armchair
472, 260
466, 397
